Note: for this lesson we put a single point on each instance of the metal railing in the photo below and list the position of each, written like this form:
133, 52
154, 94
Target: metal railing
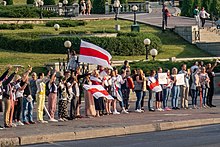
72, 10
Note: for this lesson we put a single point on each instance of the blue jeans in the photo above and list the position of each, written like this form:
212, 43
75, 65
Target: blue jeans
194, 96
166, 95
150, 100
175, 96
125, 94
204, 95
122, 102
27, 112
139, 97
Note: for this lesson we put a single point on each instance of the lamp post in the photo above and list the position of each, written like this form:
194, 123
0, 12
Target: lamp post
65, 2
135, 8
153, 53
135, 26
147, 43
56, 27
67, 45
163, 17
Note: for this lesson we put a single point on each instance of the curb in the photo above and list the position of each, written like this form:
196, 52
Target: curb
106, 132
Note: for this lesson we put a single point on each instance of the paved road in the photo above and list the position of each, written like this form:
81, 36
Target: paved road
207, 136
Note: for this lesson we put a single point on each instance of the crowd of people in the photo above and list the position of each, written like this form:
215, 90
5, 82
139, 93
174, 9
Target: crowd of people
19, 93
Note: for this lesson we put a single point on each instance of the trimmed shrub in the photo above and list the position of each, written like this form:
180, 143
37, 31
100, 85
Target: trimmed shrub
23, 12
66, 23
9, 2
98, 6
15, 26
146, 66
49, 2
30, 1
121, 45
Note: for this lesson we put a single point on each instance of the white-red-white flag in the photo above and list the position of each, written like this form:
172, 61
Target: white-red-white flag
93, 54
98, 91
155, 86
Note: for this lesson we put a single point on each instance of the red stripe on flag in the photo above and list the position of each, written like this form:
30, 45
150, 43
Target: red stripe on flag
94, 53
152, 85
94, 90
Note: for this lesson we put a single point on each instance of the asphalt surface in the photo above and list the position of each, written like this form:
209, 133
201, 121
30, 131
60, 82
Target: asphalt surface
207, 136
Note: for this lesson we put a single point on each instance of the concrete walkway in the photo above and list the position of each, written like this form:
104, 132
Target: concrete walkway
111, 125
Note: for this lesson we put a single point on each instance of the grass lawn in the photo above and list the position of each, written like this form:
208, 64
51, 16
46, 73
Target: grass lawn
173, 45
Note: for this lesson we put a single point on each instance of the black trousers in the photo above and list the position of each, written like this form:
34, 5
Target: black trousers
203, 21
17, 109
73, 106
210, 95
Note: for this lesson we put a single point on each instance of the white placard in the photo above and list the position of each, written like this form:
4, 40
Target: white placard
180, 79
162, 78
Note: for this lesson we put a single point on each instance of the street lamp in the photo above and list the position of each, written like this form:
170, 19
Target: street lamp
135, 8
56, 27
40, 3
147, 43
135, 26
67, 45
153, 53
65, 2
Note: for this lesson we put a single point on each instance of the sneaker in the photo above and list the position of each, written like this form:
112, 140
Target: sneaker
32, 122
13, 125
43, 121
60, 119
124, 111
1, 128
167, 109
26, 123
116, 112
19, 123
53, 120
138, 111
65, 119
160, 109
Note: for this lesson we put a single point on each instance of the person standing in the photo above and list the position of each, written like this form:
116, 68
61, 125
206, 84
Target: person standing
195, 86
175, 90
33, 86
138, 88
52, 99
196, 15
203, 15
27, 111
151, 79
204, 81
40, 96
166, 15
83, 7
167, 91
184, 89
8, 99
211, 75
89, 7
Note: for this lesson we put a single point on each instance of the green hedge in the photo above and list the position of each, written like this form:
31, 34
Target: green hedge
66, 23
121, 45
16, 26
147, 66
98, 6
23, 12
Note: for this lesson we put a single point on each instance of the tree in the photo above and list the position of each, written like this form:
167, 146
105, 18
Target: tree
206, 4
9, 2
49, 2
30, 1
197, 3
187, 8
98, 6
215, 7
